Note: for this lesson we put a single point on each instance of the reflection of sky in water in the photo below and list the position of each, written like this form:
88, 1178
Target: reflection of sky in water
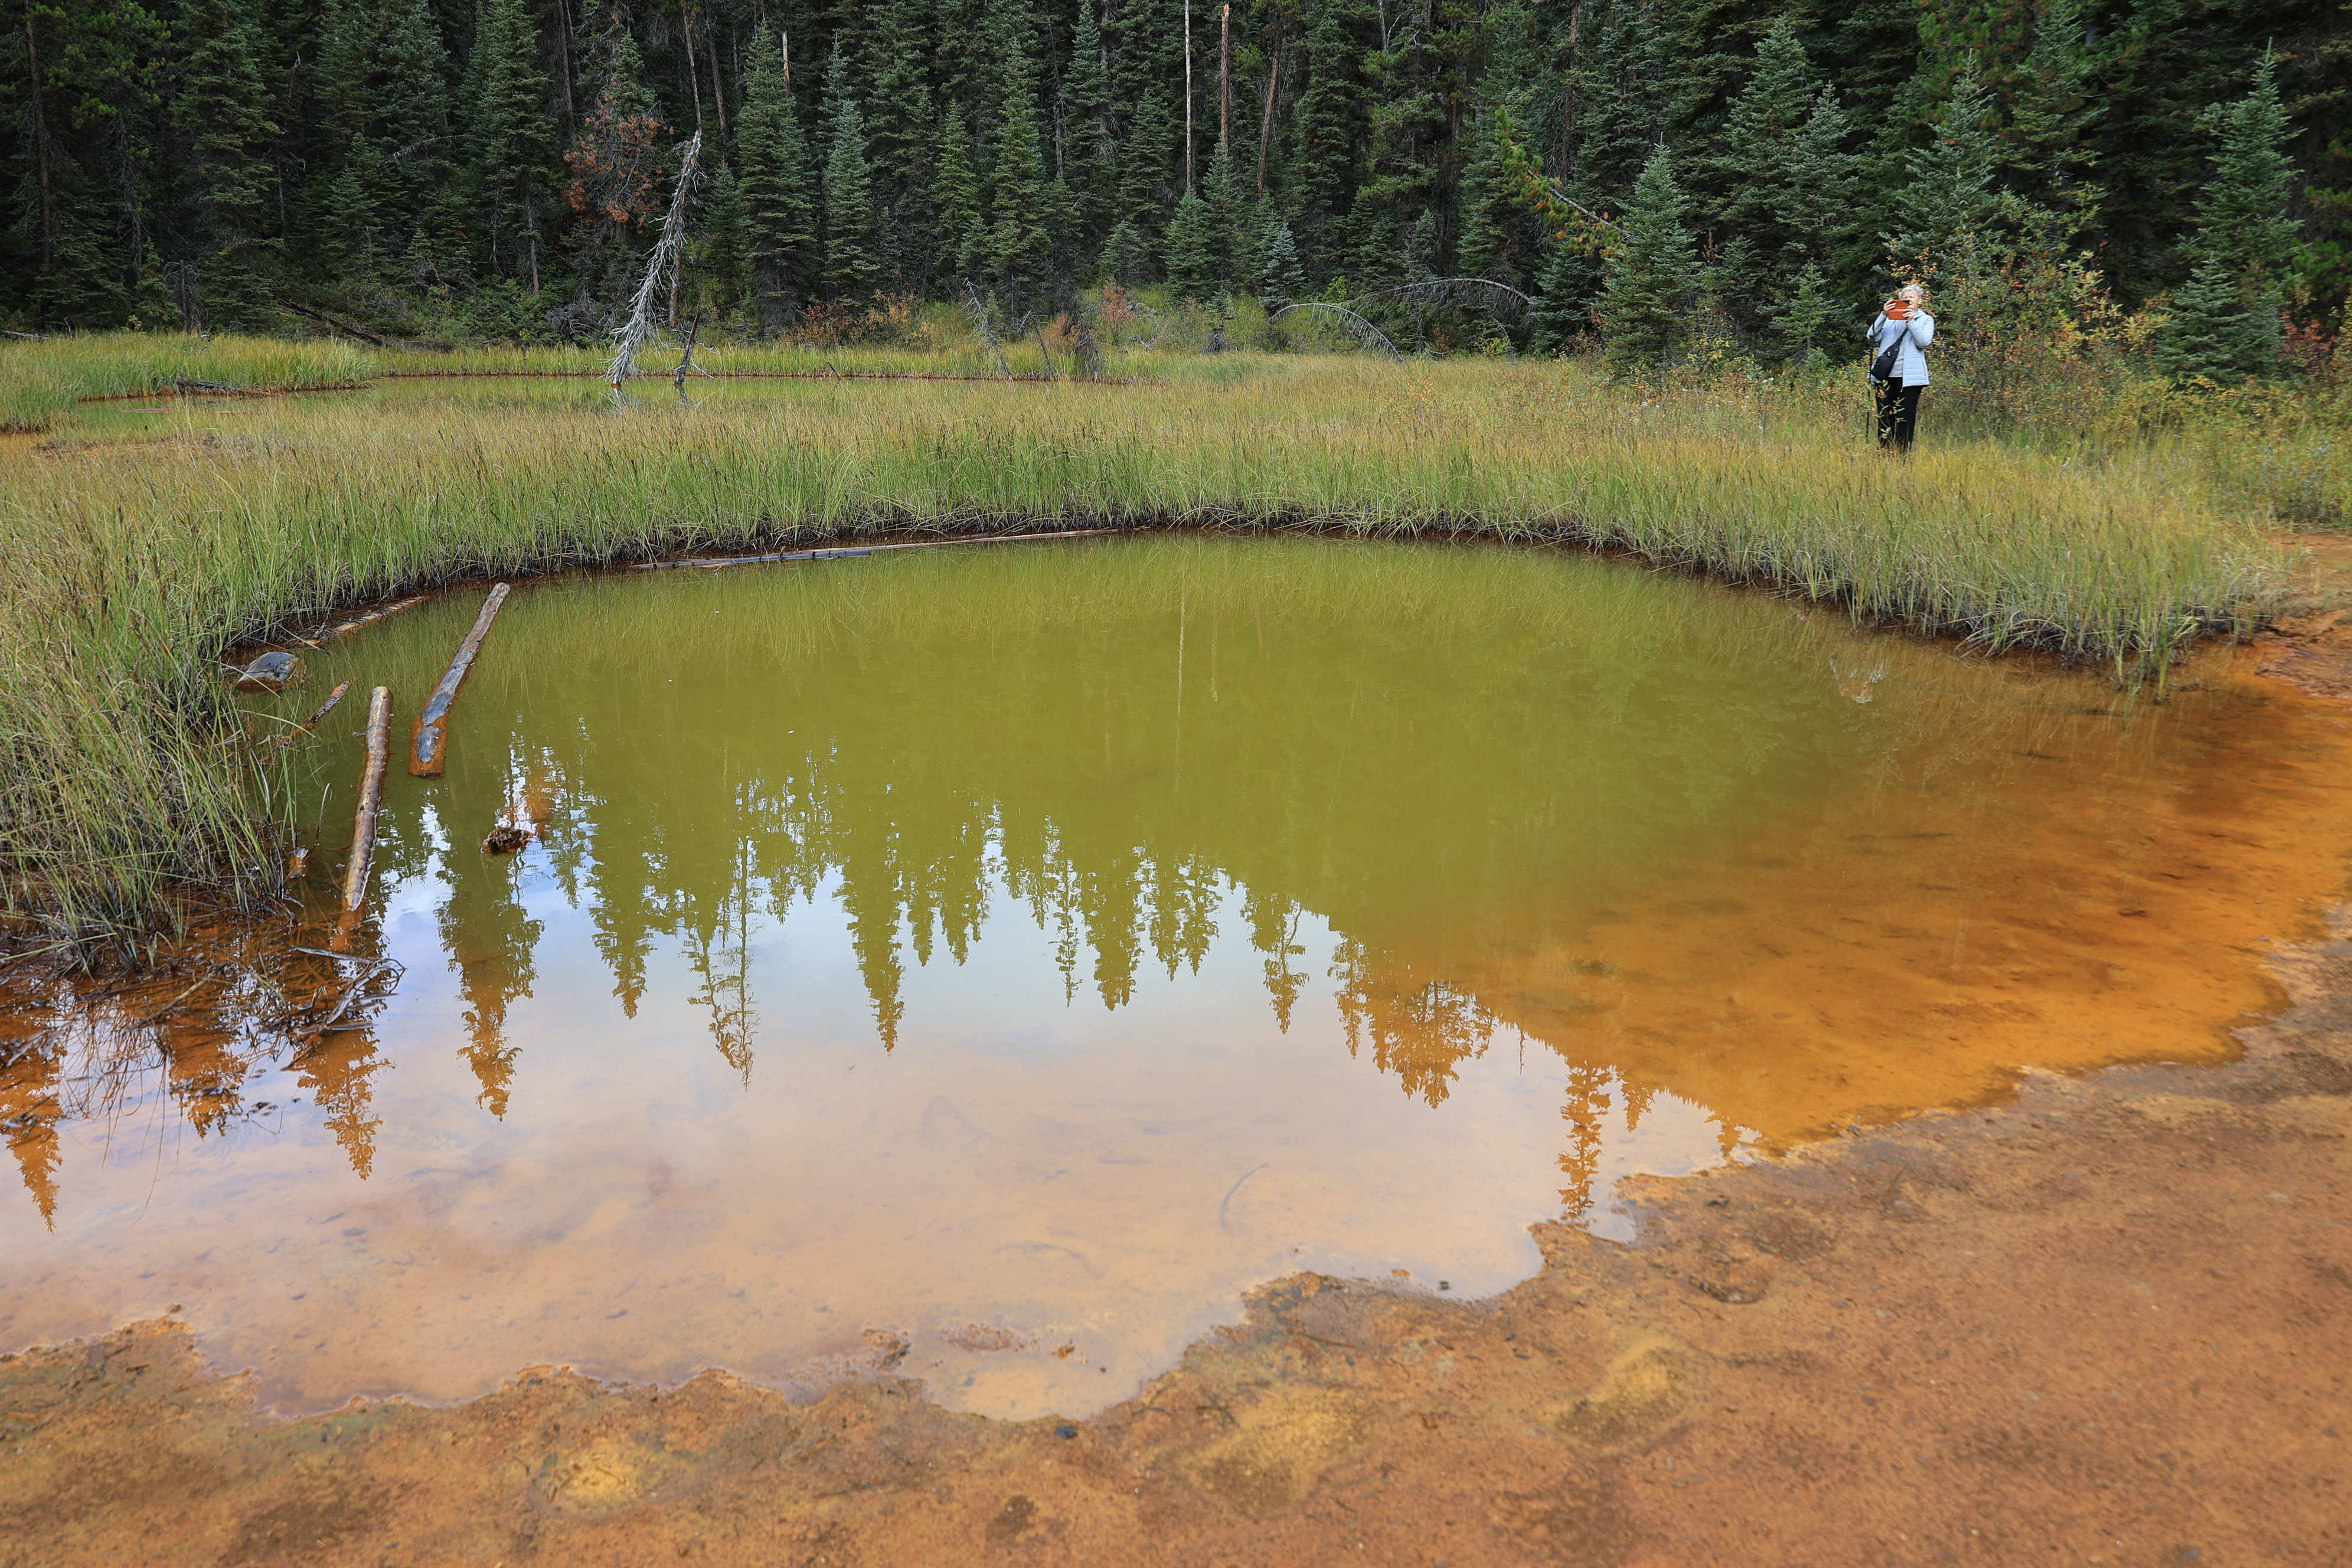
1055, 944
740, 1174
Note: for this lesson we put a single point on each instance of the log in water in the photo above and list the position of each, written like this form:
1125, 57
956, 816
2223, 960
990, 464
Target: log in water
428, 744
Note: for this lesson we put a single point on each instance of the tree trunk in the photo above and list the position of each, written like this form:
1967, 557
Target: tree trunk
1188, 97
1224, 74
40, 140
693, 90
1266, 125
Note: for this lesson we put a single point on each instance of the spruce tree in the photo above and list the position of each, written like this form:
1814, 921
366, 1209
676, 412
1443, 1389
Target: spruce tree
1327, 124
1192, 254
1091, 158
220, 106
1651, 275
1125, 256
722, 258
1563, 298
1820, 217
1808, 319
1280, 277
1947, 202
2245, 232
1019, 247
1764, 141
780, 227
956, 196
2244, 217
2212, 332
853, 269
900, 129
2046, 144
1149, 162
509, 135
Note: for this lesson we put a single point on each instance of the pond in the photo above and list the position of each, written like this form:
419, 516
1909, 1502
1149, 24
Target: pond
992, 961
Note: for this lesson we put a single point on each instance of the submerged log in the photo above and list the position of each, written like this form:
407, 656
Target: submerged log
279, 742
379, 754
429, 742
369, 618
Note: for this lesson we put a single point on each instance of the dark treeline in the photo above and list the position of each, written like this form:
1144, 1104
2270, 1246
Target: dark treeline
496, 167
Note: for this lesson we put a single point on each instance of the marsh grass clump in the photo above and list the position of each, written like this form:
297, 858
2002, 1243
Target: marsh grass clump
134, 565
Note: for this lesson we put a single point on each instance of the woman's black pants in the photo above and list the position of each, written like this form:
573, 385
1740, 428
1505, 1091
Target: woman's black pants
1898, 415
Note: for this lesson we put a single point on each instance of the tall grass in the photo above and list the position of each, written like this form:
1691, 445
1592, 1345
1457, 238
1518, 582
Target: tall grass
133, 566
42, 379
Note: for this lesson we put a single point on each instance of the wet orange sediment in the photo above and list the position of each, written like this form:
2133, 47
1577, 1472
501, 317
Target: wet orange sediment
2102, 1322
2134, 927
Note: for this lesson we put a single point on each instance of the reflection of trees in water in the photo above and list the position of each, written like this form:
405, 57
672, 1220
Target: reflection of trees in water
1421, 1030
1421, 748
192, 1041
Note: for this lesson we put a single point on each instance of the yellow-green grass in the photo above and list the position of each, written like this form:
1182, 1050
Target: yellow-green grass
133, 565
42, 379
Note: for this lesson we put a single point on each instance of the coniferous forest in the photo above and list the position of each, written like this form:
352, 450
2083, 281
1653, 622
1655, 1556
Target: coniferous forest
499, 168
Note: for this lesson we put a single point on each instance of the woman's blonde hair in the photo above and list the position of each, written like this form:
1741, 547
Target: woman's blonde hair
1919, 289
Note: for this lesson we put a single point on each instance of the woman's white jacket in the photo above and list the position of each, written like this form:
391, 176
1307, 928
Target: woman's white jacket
1916, 334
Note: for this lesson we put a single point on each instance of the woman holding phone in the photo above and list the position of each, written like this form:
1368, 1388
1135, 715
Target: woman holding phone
1901, 335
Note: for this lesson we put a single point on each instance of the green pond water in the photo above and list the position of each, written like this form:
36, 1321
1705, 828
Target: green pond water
993, 960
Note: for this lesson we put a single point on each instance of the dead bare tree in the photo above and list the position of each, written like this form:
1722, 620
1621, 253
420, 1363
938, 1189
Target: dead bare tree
668, 254
1482, 292
1355, 326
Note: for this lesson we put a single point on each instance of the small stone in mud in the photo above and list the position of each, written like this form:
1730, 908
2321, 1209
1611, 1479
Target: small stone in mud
504, 839
271, 672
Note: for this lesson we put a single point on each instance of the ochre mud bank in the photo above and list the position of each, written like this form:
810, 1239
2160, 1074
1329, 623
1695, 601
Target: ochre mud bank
2104, 1323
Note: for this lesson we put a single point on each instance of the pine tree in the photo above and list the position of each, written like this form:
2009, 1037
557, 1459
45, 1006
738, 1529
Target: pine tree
1949, 199
1653, 274
853, 269
220, 106
779, 223
509, 135
1191, 255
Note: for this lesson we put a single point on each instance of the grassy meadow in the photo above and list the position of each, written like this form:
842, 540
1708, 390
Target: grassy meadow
144, 545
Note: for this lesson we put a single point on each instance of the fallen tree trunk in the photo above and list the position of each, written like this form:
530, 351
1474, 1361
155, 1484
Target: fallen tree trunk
429, 742
379, 754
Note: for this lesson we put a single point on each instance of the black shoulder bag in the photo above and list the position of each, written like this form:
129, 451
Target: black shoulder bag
1881, 369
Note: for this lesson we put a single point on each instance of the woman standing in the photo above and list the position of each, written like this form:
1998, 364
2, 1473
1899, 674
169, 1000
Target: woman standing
1905, 329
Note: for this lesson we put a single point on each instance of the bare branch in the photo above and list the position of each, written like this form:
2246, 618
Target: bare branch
1362, 331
